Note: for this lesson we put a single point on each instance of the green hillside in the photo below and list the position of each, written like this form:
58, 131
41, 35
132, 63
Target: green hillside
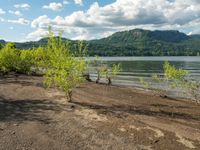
137, 42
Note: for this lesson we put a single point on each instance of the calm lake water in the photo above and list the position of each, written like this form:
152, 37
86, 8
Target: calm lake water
135, 67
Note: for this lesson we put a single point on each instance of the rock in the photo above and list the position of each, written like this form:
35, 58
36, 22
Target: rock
16, 124
13, 132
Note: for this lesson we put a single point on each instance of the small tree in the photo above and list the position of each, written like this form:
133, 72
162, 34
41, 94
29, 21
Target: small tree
104, 70
173, 78
111, 73
63, 70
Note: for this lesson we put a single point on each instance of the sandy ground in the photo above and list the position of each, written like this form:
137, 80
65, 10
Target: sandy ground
101, 117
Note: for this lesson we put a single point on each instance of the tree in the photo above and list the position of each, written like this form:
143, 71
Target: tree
104, 70
63, 70
111, 72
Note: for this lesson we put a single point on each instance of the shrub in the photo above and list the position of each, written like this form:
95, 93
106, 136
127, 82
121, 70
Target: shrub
173, 78
111, 72
63, 70
12, 59
9, 58
103, 70
178, 78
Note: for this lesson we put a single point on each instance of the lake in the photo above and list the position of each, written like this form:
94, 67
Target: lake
133, 68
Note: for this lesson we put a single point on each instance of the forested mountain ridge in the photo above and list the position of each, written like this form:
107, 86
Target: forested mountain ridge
137, 42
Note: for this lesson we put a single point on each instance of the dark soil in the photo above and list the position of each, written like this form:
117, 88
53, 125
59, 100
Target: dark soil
100, 117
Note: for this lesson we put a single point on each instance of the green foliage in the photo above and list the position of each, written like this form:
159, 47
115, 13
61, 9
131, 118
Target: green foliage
171, 73
9, 58
111, 72
60, 66
26, 61
20, 61
173, 78
140, 42
104, 70
178, 79
63, 70
144, 83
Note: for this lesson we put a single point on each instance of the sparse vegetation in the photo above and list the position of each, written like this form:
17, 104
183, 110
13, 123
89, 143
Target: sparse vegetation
112, 72
177, 79
105, 71
60, 66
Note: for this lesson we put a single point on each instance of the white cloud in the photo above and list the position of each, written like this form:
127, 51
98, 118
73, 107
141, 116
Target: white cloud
21, 21
41, 22
2, 12
79, 2
22, 6
99, 21
65, 2
36, 35
11, 28
17, 13
2, 19
53, 6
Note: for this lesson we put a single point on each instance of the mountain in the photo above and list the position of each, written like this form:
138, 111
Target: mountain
137, 42
140, 42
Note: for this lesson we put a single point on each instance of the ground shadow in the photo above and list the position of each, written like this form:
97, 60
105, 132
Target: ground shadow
27, 110
137, 110
24, 82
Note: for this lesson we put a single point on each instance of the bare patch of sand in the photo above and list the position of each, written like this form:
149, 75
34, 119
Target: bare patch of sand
91, 115
185, 142
177, 128
158, 133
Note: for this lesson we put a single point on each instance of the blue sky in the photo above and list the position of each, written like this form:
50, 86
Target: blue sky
27, 20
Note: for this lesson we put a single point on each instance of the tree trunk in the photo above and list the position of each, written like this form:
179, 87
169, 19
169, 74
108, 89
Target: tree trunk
69, 96
98, 78
109, 81
87, 77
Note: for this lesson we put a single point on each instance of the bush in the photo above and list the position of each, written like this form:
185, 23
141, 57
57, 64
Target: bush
9, 58
103, 70
63, 70
19, 61
178, 79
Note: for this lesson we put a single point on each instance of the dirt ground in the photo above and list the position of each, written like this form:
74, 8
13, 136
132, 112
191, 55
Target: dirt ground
99, 118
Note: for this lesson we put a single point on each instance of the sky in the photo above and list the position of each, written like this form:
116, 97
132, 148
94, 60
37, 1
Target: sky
28, 20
